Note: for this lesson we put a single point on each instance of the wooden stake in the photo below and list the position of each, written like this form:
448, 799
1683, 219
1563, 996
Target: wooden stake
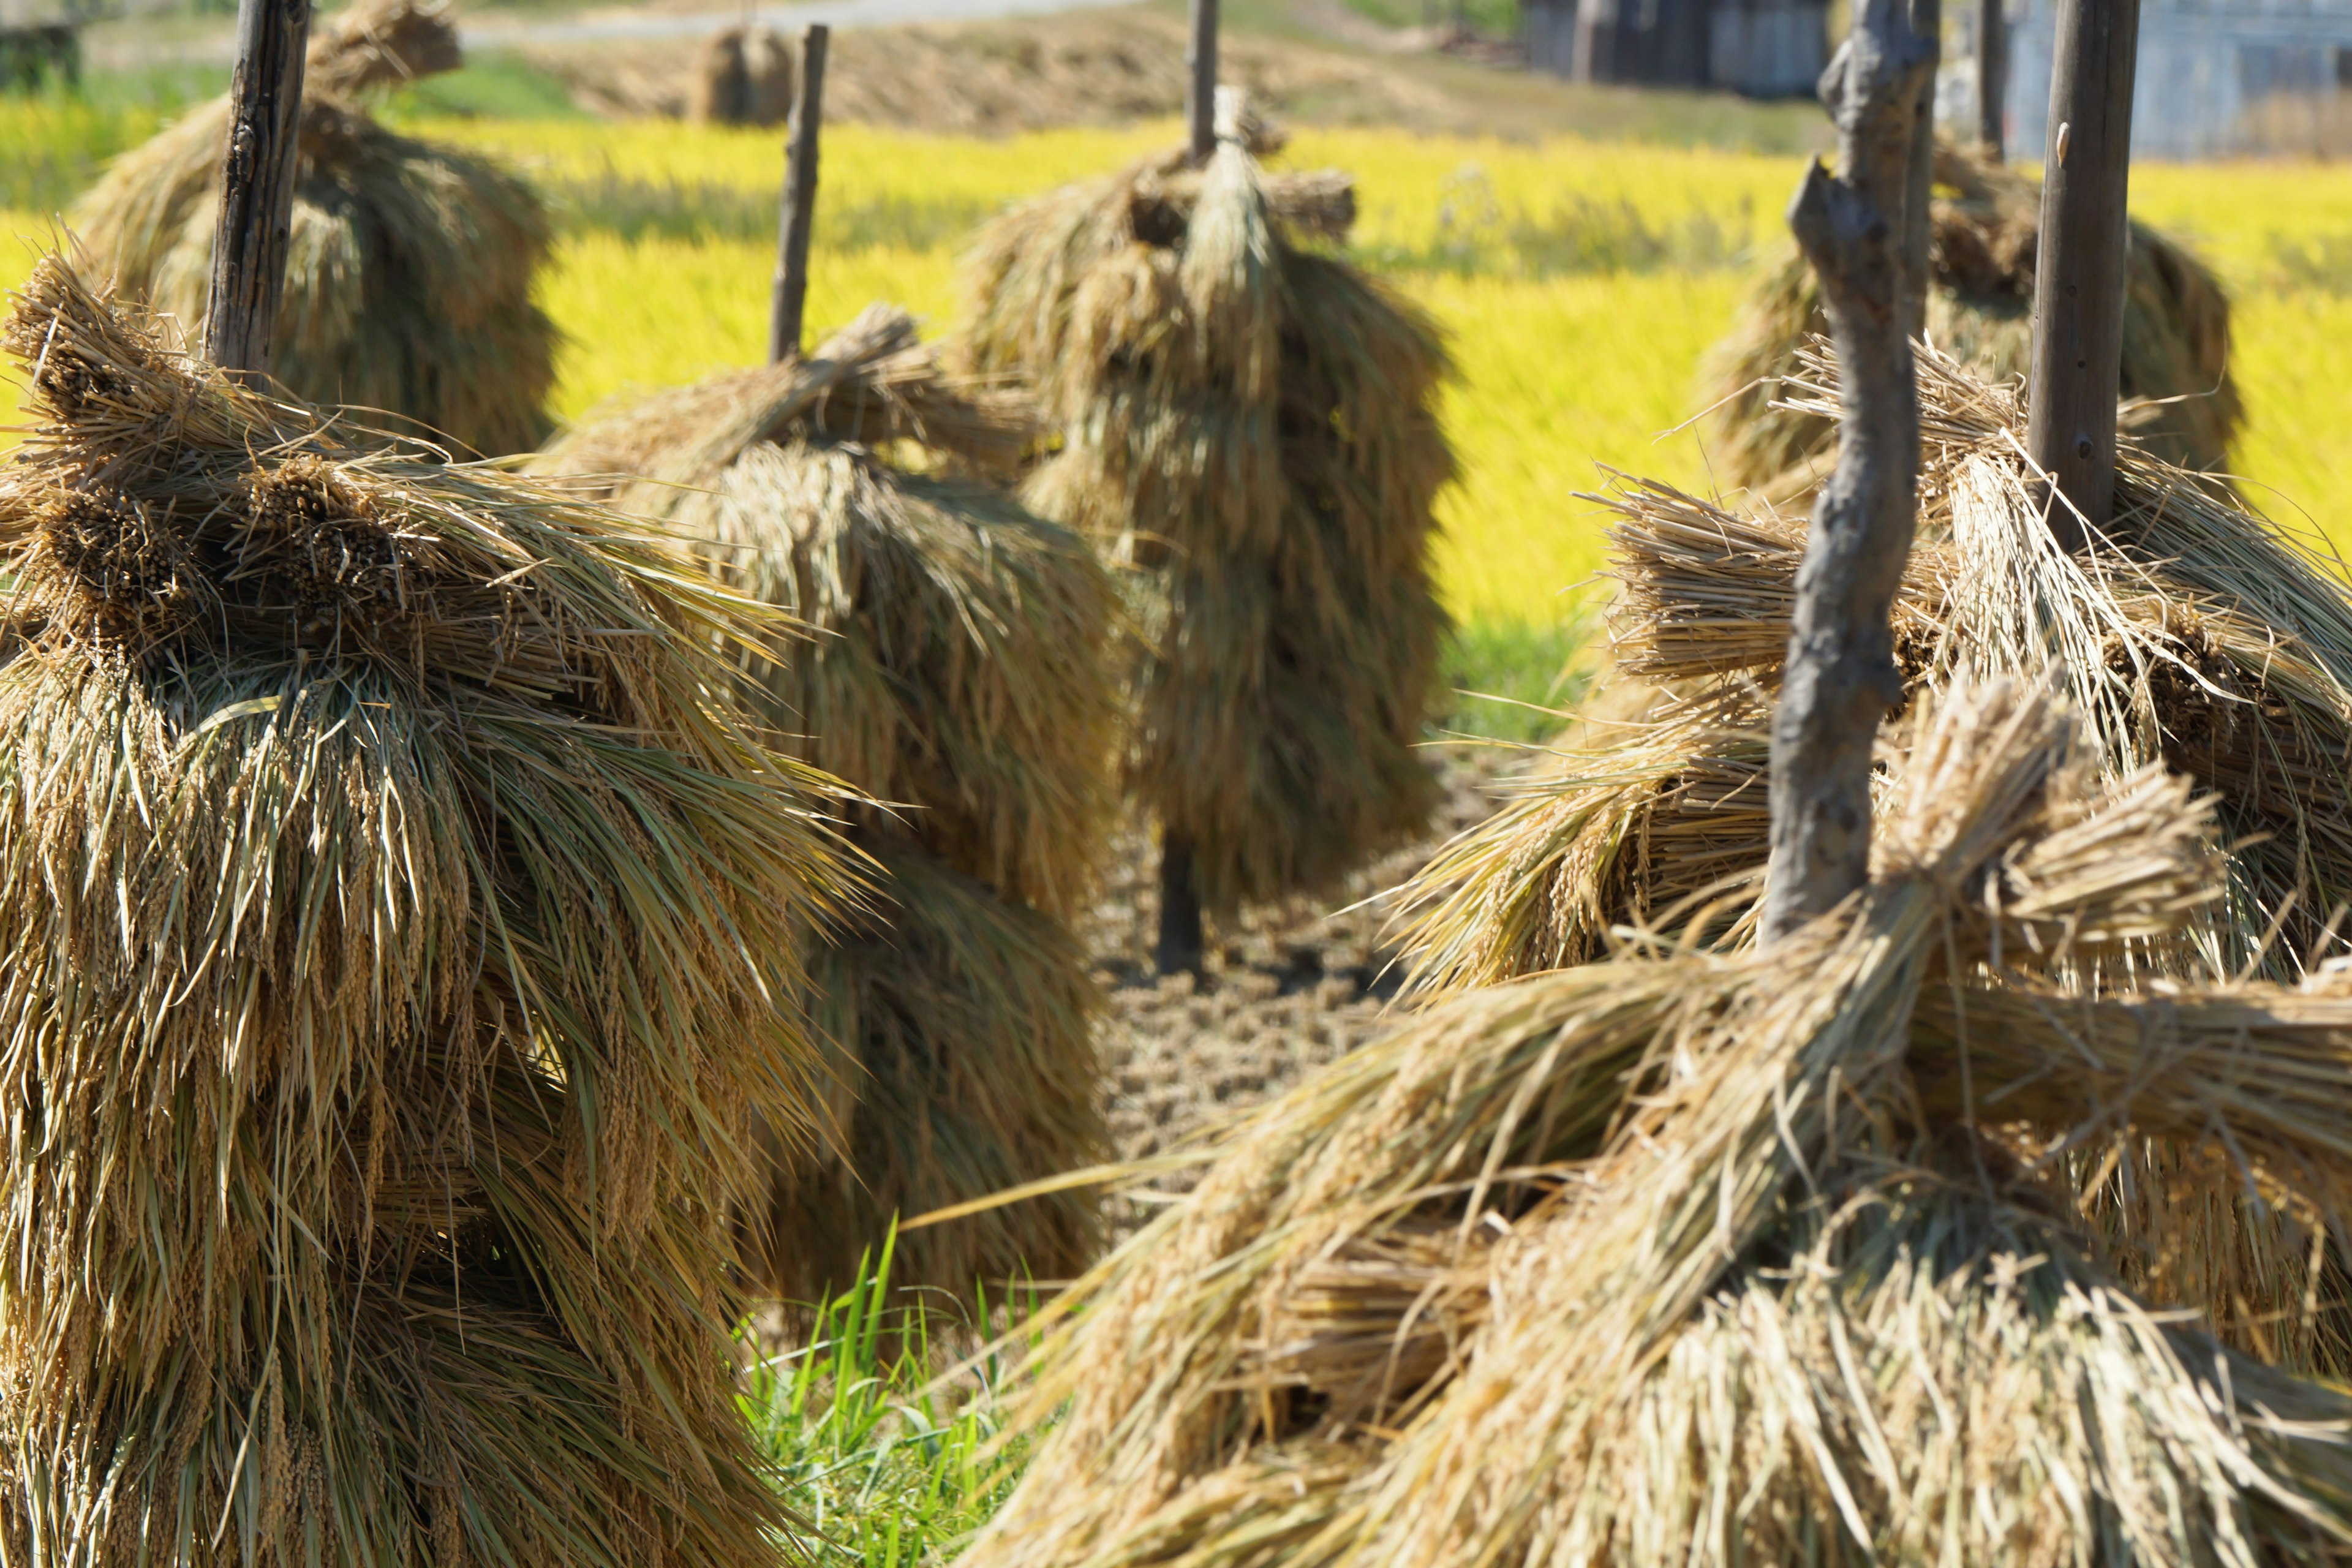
1200, 81
2078, 278
800, 199
1919, 186
1182, 939
1992, 79
1840, 676
256, 213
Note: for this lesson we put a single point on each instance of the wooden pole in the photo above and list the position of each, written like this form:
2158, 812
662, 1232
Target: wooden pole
1919, 186
1200, 81
1992, 79
1841, 677
800, 199
2078, 280
257, 212
1182, 941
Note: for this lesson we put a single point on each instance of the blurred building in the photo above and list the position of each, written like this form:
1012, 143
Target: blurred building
2215, 77
1766, 48
40, 40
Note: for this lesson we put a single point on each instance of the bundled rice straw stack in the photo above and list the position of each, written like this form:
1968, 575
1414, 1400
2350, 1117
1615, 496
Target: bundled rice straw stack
397, 921
957, 673
408, 274
1252, 422
2181, 403
2194, 632
1719, 1259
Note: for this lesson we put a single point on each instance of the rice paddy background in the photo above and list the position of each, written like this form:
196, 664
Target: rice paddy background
1582, 283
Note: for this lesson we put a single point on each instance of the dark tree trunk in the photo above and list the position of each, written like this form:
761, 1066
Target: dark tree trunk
2078, 278
257, 212
1840, 676
1992, 79
790, 297
1181, 943
1200, 81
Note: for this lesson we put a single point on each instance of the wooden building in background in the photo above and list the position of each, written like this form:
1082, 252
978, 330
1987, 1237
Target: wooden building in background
1765, 48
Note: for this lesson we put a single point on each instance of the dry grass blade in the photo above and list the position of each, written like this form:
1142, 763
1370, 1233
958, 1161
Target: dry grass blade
398, 913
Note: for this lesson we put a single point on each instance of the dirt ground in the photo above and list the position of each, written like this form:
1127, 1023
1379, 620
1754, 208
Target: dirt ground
1286, 989
1308, 62
1017, 74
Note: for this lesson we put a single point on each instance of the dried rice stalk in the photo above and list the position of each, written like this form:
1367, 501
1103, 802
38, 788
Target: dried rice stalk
409, 271
1712, 1295
1650, 827
2180, 403
959, 675
1251, 423
397, 926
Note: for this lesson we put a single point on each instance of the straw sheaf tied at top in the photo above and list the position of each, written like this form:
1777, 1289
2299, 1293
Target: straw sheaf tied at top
958, 673
2194, 632
1251, 423
399, 918
409, 266
159, 510
873, 382
1566, 1268
2179, 399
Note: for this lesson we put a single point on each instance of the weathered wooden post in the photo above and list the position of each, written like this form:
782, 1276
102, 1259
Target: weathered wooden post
2078, 277
1992, 79
1840, 676
791, 297
257, 212
1919, 186
1200, 81
1182, 942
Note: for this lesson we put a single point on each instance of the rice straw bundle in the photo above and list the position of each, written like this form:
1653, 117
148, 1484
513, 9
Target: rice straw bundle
1251, 421
409, 270
2195, 631
958, 676
1697, 1258
2180, 402
398, 919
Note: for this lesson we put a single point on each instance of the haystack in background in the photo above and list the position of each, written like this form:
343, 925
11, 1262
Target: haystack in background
1749, 1259
408, 275
954, 668
744, 76
401, 923
2181, 403
2196, 631
1251, 423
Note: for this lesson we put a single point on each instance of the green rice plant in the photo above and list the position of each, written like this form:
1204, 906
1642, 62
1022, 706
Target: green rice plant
886, 1463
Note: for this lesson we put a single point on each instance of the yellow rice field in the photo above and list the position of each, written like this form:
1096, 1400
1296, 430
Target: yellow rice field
1581, 283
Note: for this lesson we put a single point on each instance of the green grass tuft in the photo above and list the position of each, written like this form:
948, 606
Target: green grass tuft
887, 1462
1510, 680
